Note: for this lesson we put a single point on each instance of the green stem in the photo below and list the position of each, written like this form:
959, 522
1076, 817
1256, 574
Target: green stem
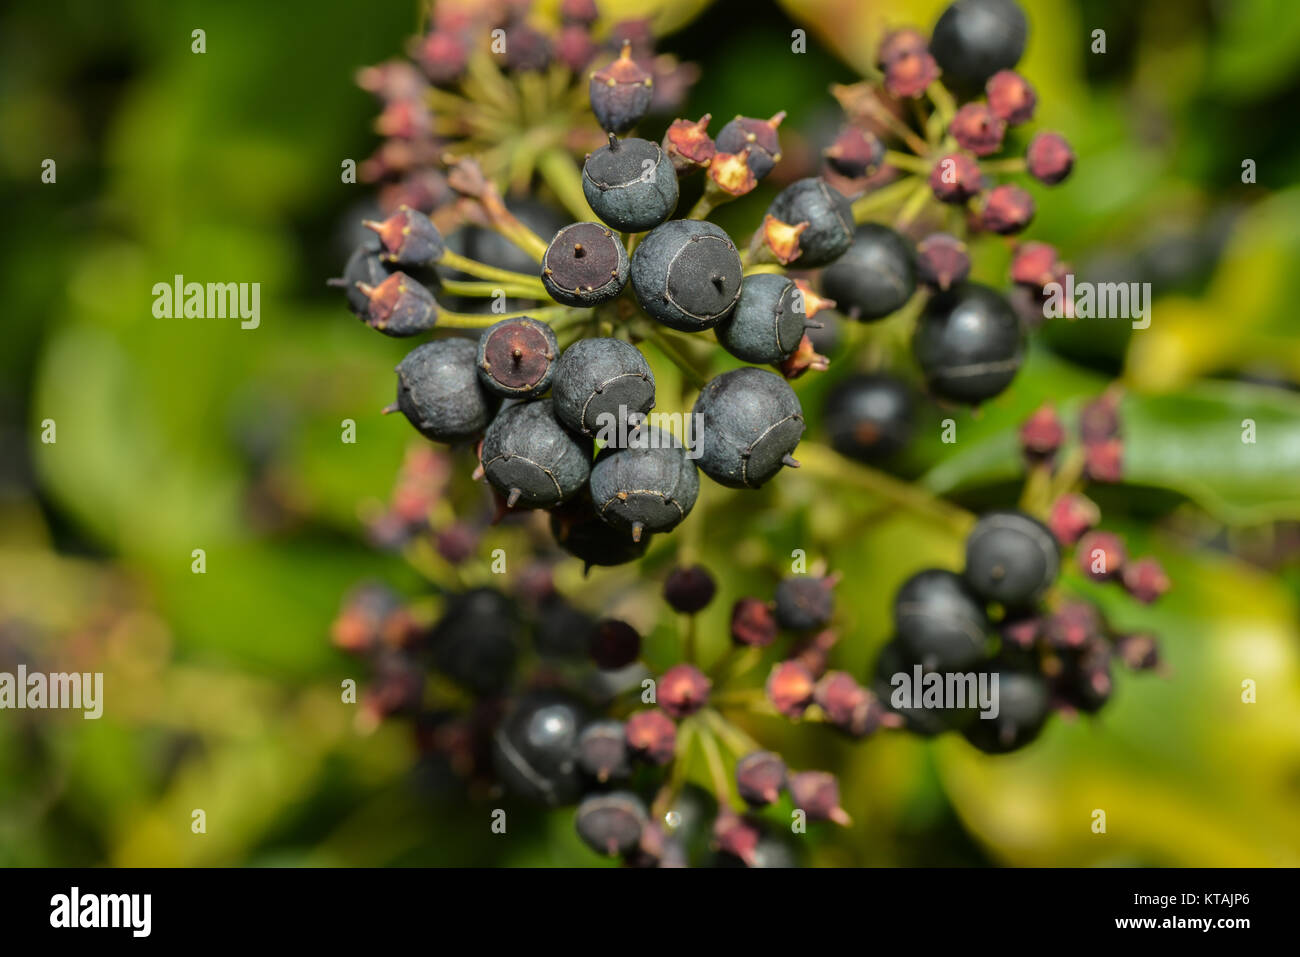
489, 289
717, 769
883, 198
483, 271
912, 208
565, 179
913, 164
466, 320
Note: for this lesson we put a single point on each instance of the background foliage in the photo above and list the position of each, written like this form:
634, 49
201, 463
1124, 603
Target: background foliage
175, 435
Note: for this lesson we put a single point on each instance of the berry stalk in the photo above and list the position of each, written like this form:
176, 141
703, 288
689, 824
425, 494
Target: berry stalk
467, 320
483, 271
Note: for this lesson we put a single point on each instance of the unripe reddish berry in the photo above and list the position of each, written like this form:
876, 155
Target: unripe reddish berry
734, 835
942, 260
753, 623
683, 689
1139, 651
1099, 419
582, 12
1073, 625
652, 736
1049, 158
855, 153
1101, 555
1072, 515
689, 145
1042, 433
899, 43
1021, 631
1145, 580
1104, 461
1011, 98
910, 74
443, 55
976, 128
790, 688
955, 178
1008, 209
574, 47
817, 794
760, 778
1034, 265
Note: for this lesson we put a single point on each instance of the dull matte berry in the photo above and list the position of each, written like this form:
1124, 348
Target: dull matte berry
440, 393
942, 260
955, 178
1086, 683
372, 615
364, 267
574, 47
603, 751
652, 736
399, 306
409, 238
753, 623
759, 136
760, 778
827, 212
1011, 558
584, 265
535, 748
476, 641
530, 458
443, 55
975, 38
650, 486
621, 93
750, 423
580, 12
1007, 209
517, 357
611, 824
687, 274
939, 623
615, 644
689, 590
898, 42
868, 417
804, 602
968, 343
1011, 98
1139, 651
768, 321
682, 690
630, 184
875, 277
600, 385
396, 687
563, 631
736, 837
1022, 712
581, 532
1049, 158
977, 128
850, 707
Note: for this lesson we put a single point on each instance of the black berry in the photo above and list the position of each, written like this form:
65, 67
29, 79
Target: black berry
689, 590
975, 38
751, 422
630, 184
939, 623
827, 212
532, 459
875, 276
767, 323
535, 748
581, 532
1022, 710
804, 603
687, 274
615, 644
968, 343
1011, 558
649, 486
439, 391
868, 417
584, 265
600, 385
563, 631
476, 641
603, 751
611, 823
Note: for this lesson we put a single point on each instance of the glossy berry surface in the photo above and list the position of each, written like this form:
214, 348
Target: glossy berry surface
532, 459
535, 748
767, 323
968, 343
687, 274
1022, 712
651, 486
940, 624
974, 39
603, 752
630, 184
827, 212
584, 265
599, 385
440, 393
516, 358
1011, 558
578, 530
875, 276
751, 422
868, 417
477, 640
689, 590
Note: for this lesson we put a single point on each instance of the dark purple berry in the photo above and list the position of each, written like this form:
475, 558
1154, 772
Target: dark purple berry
855, 153
895, 661
532, 459
535, 748
908, 75
1011, 558
689, 590
602, 386
875, 277
1007, 209
603, 751
1074, 626
827, 212
611, 824
580, 532
1145, 580
759, 136
630, 184
939, 623
750, 423
975, 38
364, 268
760, 778
409, 238
527, 50
563, 631
621, 93
616, 644
942, 260
399, 306
1049, 158
584, 265
1022, 711
574, 47
868, 417
804, 602
955, 178
977, 128
753, 623
687, 274
682, 690
968, 343
517, 357
1101, 555
817, 794
580, 12
1011, 98
767, 323
439, 391
476, 641
650, 486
